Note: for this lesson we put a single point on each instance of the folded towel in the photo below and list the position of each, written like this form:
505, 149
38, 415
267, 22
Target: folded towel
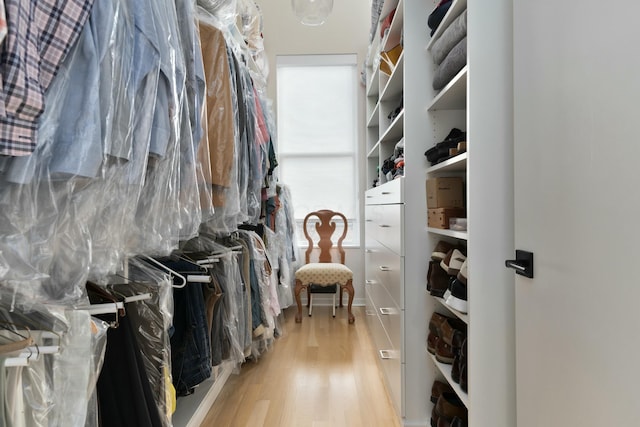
455, 32
452, 64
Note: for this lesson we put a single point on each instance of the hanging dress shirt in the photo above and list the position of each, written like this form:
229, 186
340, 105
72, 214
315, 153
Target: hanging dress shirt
40, 34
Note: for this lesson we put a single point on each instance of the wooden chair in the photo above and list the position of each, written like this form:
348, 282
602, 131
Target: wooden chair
327, 272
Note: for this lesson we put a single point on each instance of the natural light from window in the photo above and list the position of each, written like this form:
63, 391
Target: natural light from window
317, 134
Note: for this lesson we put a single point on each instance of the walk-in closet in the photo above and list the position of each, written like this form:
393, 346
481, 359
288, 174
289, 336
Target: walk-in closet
318, 213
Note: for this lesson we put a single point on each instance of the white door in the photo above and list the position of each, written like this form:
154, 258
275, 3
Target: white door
577, 193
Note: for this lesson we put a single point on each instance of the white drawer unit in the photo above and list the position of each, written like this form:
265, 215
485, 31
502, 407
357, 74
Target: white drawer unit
384, 223
384, 281
389, 270
388, 357
391, 192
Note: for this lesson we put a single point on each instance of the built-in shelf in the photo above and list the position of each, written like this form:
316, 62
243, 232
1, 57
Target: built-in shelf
445, 370
454, 164
373, 88
394, 85
374, 118
395, 30
449, 233
373, 153
460, 315
454, 95
395, 130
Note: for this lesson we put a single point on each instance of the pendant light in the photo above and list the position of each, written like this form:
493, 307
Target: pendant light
312, 12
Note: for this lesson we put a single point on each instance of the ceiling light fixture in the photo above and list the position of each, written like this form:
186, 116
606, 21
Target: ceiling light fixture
312, 12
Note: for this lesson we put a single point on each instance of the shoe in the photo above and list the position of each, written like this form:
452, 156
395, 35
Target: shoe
458, 296
438, 388
444, 352
437, 279
452, 262
432, 342
455, 369
463, 377
449, 406
440, 251
453, 332
436, 321
462, 274
463, 366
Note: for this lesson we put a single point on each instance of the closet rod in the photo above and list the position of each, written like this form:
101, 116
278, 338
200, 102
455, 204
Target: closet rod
106, 308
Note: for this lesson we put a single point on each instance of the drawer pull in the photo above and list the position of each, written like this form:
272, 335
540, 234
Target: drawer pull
386, 354
386, 193
369, 197
369, 251
384, 268
386, 311
368, 220
384, 226
369, 282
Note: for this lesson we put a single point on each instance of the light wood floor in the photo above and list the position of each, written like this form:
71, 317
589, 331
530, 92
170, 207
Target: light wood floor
321, 373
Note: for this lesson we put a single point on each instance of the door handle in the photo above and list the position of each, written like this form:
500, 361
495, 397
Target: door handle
523, 264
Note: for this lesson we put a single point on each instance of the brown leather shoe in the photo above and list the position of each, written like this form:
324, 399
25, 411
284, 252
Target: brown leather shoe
432, 342
444, 352
440, 251
453, 332
438, 388
463, 377
449, 406
436, 320
455, 369
437, 279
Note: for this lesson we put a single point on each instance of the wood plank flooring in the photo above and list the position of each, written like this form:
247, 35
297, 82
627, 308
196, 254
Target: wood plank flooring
321, 373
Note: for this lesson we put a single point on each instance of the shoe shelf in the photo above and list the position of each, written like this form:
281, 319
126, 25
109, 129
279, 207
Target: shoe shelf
462, 235
454, 164
453, 96
445, 370
460, 315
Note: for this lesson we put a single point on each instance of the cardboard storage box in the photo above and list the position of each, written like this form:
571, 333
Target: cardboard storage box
439, 217
445, 192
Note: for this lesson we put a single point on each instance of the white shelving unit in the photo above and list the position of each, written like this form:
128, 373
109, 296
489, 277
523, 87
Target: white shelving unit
477, 100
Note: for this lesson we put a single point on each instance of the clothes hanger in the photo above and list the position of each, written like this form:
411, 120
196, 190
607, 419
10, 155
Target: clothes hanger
170, 271
19, 344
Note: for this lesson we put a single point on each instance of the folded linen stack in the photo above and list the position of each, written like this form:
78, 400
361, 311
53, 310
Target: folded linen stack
449, 51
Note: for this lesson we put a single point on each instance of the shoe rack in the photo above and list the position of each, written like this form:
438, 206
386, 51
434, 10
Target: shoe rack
477, 100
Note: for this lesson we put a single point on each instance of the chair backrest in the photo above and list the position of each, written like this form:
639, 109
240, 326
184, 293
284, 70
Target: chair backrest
325, 229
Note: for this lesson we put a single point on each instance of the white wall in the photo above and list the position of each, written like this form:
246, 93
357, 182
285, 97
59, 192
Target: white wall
345, 31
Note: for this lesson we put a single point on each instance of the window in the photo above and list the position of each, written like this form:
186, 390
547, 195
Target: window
318, 133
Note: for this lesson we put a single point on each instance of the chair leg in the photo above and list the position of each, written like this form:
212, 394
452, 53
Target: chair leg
333, 305
298, 288
310, 299
349, 288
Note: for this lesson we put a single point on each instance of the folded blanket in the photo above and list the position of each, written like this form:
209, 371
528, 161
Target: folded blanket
455, 32
455, 61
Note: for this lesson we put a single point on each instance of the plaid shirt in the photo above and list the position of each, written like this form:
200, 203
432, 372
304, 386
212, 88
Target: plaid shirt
41, 33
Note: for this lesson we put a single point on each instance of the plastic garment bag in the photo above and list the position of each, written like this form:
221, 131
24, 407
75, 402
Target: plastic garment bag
223, 10
57, 388
151, 320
